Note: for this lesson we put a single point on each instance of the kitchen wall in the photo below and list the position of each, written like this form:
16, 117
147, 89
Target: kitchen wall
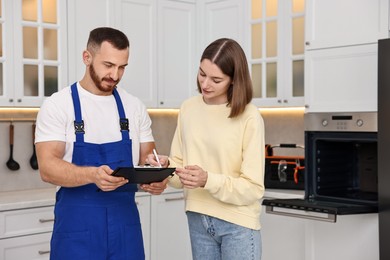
281, 126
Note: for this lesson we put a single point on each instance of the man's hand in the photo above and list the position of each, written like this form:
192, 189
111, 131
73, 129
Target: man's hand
105, 181
151, 159
155, 188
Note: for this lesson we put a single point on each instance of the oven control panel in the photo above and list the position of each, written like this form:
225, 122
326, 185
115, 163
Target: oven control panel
353, 122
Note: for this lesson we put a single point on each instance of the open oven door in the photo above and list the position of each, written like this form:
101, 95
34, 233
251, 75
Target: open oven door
315, 209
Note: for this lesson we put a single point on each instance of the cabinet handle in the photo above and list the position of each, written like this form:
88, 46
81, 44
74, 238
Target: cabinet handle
19, 100
285, 101
174, 199
44, 220
307, 43
11, 100
279, 101
43, 252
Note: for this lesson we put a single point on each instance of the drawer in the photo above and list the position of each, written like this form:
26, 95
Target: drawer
35, 247
26, 221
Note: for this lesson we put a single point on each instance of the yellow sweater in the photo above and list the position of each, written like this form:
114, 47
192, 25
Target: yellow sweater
231, 150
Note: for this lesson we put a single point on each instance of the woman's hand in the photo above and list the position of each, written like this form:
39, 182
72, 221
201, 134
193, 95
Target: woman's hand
192, 176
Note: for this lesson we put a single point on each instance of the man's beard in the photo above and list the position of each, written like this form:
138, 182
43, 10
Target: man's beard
98, 82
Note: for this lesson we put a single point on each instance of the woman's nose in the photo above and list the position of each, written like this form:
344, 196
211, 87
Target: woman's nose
204, 83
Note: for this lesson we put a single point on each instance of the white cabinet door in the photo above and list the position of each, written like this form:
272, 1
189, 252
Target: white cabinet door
352, 237
341, 79
162, 65
137, 19
33, 247
221, 19
83, 16
335, 23
26, 221
170, 237
282, 237
143, 204
33, 58
177, 61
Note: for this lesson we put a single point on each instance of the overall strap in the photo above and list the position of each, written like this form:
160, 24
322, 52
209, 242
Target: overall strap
78, 122
123, 121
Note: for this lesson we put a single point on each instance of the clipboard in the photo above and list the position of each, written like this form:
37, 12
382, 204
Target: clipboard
143, 175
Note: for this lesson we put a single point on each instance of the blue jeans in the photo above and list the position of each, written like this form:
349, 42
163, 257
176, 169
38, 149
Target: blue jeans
216, 239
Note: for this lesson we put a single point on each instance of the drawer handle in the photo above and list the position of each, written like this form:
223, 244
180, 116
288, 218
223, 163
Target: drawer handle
174, 199
43, 252
44, 220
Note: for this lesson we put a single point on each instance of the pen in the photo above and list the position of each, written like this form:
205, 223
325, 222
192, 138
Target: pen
155, 155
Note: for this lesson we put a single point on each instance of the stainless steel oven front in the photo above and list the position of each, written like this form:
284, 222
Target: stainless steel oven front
341, 173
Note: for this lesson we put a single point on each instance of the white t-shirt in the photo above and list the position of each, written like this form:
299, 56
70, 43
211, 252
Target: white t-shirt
55, 120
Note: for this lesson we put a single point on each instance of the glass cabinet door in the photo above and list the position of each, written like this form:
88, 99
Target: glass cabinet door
277, 52
38, 51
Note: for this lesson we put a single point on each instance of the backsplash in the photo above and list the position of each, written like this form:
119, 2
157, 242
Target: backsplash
281, 126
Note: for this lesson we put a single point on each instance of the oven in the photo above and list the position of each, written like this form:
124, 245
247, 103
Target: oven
341, 172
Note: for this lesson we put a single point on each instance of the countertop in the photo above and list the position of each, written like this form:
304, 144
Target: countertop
14, 200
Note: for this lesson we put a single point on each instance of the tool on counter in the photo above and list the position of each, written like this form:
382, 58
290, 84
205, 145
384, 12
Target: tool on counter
33, 159
11, 163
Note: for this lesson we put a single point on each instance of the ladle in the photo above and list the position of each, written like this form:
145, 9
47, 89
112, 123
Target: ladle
11, 163
33, 159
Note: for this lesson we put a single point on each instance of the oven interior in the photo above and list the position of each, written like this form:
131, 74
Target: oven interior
342, 166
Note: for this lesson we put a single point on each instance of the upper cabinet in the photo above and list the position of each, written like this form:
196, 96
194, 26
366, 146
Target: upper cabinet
341, 54
162, 35
335, 23
221, 19
79, 27
33, 58
277, 30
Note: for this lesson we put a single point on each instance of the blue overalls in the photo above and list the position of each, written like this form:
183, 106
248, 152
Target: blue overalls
91, 224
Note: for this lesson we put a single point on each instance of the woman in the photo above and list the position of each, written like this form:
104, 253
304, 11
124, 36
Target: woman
218, 152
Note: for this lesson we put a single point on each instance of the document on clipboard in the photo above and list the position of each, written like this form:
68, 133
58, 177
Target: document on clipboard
143, 175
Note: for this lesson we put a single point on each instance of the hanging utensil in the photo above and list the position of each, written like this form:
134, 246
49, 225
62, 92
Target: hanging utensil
33, 159
11, 163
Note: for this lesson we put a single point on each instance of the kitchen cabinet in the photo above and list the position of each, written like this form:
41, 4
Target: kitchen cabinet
169, 236
33, 58
342, 79
341, 54
79, 27
221, 19
352, 237
276, 56
32, 247
162, 34
334, 23
282, 238
143, 203
26, 233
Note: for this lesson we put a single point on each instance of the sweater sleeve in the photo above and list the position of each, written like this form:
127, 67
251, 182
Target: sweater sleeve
176, 158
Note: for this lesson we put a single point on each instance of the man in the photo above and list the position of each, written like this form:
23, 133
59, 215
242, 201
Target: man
83, 133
